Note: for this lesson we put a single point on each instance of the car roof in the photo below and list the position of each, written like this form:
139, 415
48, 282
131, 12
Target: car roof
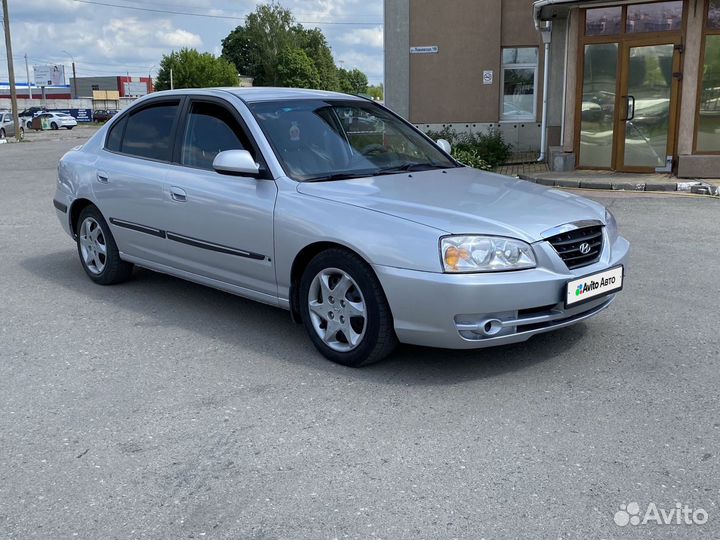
263, 93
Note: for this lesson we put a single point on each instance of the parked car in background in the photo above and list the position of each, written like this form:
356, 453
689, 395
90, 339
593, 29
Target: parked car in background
28, 114
103, 115
367, 238
57, 120
7, 126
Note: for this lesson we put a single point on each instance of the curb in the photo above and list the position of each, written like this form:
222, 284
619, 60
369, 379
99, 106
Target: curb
696, 187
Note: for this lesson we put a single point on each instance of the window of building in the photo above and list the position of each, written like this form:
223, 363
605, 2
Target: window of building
713, 19
210, 130
519, 81
603, 21
664, 16
707, 138
147, 133
96, 87
655, 17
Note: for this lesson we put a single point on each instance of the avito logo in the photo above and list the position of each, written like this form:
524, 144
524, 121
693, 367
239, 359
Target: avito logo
594, 285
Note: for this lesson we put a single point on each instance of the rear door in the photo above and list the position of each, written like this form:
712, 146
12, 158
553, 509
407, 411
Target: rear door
219, 226
131, 174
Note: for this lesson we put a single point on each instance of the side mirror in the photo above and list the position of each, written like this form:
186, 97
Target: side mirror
442, 143
238, 162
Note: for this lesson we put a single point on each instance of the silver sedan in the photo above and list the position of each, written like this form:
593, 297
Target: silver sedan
336, 209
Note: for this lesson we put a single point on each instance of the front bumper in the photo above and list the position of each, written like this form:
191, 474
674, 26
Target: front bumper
449, 310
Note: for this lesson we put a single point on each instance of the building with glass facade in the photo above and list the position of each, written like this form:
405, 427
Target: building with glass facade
630, 86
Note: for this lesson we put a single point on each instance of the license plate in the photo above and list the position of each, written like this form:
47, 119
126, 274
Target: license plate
593, 286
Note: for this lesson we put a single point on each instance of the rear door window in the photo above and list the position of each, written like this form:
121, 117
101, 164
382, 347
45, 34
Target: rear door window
148, 132
114, 138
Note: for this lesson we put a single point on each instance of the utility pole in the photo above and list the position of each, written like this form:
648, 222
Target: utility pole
27, 74
11, 70
74, 75
172, 86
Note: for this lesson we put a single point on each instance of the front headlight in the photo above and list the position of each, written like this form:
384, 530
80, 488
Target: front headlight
611, 226
485, 254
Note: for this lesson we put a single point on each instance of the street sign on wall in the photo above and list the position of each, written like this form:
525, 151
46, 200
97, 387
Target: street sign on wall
49, 75
428, 49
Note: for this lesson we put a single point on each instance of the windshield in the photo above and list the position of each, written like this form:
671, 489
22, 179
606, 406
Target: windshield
336, 139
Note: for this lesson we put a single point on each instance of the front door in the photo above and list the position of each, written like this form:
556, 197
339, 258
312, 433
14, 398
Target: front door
219, 226
645, 127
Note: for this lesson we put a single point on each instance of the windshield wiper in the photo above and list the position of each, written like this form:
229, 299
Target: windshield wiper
339, 176
410, 167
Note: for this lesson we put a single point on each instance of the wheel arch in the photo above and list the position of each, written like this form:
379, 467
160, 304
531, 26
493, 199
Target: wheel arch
77, 206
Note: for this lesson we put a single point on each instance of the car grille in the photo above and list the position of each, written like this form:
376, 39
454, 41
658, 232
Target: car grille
567, 245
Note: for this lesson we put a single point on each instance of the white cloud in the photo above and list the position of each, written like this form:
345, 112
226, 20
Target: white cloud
178, 38
372, 37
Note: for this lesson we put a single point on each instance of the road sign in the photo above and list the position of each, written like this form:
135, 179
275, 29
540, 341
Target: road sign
488, 76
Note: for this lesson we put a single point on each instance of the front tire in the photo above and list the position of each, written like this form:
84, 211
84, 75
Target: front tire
98, 251
344, 309
69, 127
2, 133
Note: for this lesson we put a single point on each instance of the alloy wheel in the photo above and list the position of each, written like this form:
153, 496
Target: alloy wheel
93, 246
337, 309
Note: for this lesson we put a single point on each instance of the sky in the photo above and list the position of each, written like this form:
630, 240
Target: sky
111, 40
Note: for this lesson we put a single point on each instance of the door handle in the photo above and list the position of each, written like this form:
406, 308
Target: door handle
177, 194
631, 116
102, 177
628, 116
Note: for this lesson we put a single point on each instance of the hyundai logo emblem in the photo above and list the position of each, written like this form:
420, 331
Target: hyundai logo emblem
584, 248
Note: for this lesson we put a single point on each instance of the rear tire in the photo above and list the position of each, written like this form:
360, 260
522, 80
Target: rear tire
344, 309
53, 125
98, 251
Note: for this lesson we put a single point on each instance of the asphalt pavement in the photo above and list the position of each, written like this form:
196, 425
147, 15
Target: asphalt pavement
163, 409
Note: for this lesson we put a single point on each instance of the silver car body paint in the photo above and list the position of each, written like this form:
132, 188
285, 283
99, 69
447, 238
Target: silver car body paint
242, 235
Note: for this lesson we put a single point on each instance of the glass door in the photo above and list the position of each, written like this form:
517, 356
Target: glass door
646, 108
597, 109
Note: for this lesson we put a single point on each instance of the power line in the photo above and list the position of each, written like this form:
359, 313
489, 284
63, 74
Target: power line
210, 16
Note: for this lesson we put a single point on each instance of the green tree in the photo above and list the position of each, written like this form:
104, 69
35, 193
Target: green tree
193, 69
267, 48
315, 45
295, 69
255, 48
353, 81
376, 92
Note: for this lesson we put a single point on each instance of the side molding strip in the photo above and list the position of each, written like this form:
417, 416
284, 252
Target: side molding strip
195, 242
213, 247
137, 227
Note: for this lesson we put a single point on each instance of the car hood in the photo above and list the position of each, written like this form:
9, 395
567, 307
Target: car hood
462, 201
